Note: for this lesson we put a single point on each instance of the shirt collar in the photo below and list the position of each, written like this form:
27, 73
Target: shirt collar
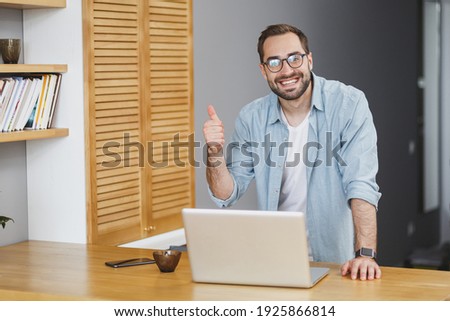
317, 99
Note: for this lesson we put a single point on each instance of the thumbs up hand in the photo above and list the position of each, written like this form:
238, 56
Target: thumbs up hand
214, 133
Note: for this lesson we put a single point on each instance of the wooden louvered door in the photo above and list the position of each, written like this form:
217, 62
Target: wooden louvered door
171, 91
139, 97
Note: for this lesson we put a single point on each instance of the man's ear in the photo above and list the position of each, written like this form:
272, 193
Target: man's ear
263, 70
310, 59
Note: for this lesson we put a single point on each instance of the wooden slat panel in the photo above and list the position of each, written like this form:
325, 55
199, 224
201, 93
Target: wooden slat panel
128, 74
167, 46
115, 90
159, 160
115, 23
110, 163
125, 80
115, 202
169, 12
161, 24
133, 110
168, 18
116, 225
177, 102
169, 115
167, 213
122, 119
122, 2
117, 187
117, 179
170, 122
174, 204
117, 194
116, 98
115, 16
166, 185
116, 144
133, 132
170, 74
107, 223
181, 5
117, 209
108, 158
115, 67
110, 106
117, 171
165, 200
169, 40
114, 30
169, 136
110, 7
170, 190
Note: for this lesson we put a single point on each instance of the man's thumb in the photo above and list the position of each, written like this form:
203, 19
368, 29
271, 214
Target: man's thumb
212, 113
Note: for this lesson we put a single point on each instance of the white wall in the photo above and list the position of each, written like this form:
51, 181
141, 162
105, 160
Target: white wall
13, 181
56, 167
445, 121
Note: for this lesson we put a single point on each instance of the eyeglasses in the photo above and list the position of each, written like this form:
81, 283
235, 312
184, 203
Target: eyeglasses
294, 61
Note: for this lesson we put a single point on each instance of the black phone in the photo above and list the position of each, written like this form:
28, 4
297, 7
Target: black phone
130, 262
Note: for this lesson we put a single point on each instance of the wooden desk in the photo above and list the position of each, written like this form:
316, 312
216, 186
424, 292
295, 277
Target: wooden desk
60, 271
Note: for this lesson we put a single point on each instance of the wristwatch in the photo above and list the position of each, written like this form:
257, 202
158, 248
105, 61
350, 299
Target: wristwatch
366, 252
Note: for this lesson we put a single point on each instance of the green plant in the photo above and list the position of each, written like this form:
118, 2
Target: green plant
4, 220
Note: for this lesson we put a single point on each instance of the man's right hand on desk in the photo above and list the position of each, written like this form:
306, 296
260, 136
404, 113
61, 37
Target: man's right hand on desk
366, 268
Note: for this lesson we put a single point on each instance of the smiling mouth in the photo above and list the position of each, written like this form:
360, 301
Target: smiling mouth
289, 82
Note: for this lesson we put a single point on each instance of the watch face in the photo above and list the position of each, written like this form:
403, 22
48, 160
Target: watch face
367, 252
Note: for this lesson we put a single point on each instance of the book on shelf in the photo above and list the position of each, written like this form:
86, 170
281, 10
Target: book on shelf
55, 100
13, 102
28, 102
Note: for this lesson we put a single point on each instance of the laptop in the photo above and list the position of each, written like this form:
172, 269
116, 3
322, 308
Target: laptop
267, 248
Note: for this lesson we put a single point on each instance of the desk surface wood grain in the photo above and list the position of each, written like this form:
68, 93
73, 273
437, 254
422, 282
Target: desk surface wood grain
36, 270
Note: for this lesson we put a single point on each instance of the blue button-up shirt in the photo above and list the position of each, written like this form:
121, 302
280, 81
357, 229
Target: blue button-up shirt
341, 159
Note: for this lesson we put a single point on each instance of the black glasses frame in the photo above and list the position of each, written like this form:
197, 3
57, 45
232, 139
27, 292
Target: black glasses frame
266, 63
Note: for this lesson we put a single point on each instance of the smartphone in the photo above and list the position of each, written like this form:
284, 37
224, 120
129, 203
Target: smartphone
130, 262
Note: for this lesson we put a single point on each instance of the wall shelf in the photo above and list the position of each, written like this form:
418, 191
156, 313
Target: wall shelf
31, 68
32, 4
33, 134
14, 69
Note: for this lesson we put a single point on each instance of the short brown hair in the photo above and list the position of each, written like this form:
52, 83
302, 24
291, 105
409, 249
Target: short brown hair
277, 30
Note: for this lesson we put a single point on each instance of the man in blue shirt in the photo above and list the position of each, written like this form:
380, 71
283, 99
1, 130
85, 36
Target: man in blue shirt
311, 146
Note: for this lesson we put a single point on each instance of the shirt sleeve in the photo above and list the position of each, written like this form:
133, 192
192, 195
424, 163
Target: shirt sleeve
239, 160
359, 164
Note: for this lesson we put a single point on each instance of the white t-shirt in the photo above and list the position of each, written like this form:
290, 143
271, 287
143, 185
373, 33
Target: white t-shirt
293, 185
294, 191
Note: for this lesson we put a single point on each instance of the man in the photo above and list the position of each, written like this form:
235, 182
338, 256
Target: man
311, 147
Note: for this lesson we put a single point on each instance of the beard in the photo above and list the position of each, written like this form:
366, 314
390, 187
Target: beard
295, 93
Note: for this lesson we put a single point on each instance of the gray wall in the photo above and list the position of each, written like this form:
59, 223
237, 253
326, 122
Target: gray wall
445, 121
226, 65
13, 183
373, 45
11, 26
